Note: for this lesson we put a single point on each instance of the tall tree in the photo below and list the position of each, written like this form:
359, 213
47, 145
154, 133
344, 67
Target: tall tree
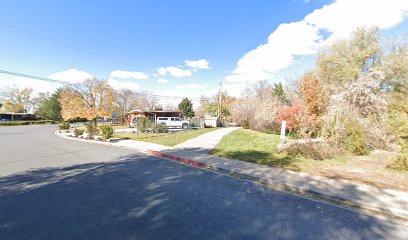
49, 106
316, 99
279, 93
125, 100
91, 99
8, 106
18, 98
202, 110
186, 107
346, 59
226, 104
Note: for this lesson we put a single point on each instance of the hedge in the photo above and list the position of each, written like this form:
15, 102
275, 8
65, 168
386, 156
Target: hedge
31, 122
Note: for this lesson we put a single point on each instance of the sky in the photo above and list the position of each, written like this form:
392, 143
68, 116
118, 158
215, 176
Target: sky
179, 48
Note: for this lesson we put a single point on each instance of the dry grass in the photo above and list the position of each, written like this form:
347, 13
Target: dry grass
247, 145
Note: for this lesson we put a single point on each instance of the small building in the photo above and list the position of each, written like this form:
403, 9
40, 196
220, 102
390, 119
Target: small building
134, 115
9, 116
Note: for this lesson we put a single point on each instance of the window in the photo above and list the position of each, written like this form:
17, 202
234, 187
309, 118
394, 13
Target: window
178, 119
172, 119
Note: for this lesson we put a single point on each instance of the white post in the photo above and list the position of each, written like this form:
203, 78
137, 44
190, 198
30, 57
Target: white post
283, 130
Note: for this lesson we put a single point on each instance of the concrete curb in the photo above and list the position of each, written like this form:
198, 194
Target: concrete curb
272, 184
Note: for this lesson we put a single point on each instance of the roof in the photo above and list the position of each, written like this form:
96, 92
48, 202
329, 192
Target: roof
143, 111
11, 113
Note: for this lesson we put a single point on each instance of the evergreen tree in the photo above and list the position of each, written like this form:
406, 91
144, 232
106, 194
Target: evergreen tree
49, 107
278, 92
186, 107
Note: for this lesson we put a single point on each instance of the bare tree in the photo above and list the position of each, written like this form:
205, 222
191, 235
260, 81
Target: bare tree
125, 100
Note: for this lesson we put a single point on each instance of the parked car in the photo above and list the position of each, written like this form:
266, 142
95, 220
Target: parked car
173, 122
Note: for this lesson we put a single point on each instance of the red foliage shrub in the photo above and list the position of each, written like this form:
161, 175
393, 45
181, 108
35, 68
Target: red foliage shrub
291, 114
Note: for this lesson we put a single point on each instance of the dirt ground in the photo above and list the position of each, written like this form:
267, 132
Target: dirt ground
371, 169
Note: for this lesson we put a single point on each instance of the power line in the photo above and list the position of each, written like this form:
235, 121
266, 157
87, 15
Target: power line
63, 43
37, 78
70, 83
86, 35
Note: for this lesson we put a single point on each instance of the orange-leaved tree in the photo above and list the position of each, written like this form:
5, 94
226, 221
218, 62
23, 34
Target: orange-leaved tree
91, 99
316, 99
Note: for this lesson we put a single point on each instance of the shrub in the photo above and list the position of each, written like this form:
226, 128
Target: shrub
107, 131
160, 129
78, 132
144, 124
91, 129
355, 138
33, 122
399, 163
245, 124
312, 150
64, 126
291, 115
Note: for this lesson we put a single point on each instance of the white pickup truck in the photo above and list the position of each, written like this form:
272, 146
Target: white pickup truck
173, 122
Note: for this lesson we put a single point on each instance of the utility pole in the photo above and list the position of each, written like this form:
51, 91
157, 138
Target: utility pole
219, 101
219, 106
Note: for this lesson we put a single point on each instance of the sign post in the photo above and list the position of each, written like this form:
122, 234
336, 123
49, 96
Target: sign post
282, 134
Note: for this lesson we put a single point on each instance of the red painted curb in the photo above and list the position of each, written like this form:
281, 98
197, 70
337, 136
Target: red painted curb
178, 159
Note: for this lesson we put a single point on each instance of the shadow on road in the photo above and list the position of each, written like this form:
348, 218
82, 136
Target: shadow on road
140, 197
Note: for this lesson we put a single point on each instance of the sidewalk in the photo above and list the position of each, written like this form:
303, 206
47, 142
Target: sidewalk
386, 202
207, 141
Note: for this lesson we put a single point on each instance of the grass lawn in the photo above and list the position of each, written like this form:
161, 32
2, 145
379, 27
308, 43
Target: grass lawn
261, 148
167, 139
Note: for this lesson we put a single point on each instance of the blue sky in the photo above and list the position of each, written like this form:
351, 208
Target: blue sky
239, 42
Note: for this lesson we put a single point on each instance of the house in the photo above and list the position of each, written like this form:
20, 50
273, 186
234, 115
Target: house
8, 116
134, 115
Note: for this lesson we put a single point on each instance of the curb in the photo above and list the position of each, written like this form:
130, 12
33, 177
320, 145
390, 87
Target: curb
274, 185
178, 159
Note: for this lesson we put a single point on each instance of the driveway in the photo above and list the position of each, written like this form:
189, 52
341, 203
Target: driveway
53, 188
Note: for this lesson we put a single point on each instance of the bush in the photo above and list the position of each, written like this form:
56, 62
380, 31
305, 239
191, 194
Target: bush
144, 124
64, 126
107, 131
245, 124
78, 132
91, 129
355, 139
312, 150
399, 163
160, 129
33, 122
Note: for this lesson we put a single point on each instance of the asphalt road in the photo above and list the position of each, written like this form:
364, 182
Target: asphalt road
53, 188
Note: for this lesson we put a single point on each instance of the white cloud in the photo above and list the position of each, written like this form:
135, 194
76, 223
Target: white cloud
304, 37
344, 16
20, 82
191, 86
118, 84
162, 81
71, 75
174, 71
127, 74
162, 71
234, 89
197, 64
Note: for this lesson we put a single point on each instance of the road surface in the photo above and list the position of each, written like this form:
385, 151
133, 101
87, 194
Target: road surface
53, 188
